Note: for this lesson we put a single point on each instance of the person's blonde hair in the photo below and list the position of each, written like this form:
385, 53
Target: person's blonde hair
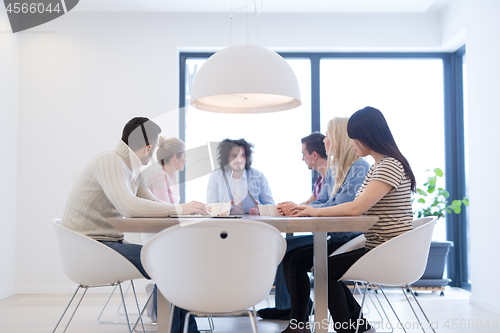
168, 148
341, 155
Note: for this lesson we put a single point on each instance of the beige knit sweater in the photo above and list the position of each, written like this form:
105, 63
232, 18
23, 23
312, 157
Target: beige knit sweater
109, 186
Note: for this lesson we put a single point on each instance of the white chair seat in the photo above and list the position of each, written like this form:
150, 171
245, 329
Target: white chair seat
399, 262
90, 263
215, 266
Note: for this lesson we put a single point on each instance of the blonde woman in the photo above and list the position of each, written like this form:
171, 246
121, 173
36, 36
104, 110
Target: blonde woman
163, 182
344, 177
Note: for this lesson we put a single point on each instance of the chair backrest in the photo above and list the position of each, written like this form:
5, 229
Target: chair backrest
398, 262
421, 221
215, 265
90, 263
355, 243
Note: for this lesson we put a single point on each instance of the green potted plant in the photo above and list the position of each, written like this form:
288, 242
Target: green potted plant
433, 201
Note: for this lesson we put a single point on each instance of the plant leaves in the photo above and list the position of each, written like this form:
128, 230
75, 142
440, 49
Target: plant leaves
438, 172
432, 180
421, 200
431, 188
421, 192
466, 202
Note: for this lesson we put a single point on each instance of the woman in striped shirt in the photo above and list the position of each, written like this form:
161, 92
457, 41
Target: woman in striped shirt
386, 193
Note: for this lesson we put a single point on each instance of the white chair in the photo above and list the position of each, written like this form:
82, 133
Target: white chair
398, 262
89, 264
216, 266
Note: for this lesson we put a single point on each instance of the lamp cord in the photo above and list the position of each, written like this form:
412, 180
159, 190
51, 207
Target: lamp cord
249, 21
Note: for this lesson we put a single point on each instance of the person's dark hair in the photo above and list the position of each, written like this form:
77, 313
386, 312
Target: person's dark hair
227, 145
370, 128
140, 132
314, 142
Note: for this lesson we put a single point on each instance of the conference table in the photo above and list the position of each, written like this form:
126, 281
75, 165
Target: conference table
319, 226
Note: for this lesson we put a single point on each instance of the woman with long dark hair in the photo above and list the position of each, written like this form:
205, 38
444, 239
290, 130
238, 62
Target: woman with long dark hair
386, 193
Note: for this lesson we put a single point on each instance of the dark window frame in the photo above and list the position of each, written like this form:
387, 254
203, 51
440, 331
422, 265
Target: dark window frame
453, 131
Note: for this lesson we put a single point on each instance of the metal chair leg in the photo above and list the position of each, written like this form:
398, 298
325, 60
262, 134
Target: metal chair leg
117, 310
421, 309
394, 311
105, 305
356, 287
138, 308
362, 304
125, 294
150, 299
383, 310
67, 307
125, 307
253, 320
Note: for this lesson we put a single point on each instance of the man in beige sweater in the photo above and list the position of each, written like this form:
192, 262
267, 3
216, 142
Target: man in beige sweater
110, 186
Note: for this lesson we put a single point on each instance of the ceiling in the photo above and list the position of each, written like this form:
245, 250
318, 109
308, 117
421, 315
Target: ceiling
267, 6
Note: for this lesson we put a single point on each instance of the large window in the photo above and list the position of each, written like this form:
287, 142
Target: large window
415, 92
409, 92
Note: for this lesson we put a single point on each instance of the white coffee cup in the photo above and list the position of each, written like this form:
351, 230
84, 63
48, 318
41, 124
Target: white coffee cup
263, 210
268, 210
219, 209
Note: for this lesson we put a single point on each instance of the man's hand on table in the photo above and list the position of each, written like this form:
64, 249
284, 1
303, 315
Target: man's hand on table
254, 211
193, 207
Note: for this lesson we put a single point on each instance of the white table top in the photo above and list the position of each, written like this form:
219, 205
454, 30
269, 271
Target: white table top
282, 223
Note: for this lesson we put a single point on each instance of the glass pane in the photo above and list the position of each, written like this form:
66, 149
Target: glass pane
276, 136
468, 277
409, 92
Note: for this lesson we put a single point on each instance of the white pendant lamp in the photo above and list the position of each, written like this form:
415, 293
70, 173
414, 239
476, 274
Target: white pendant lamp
245, 79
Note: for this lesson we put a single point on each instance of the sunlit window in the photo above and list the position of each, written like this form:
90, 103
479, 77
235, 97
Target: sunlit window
409, 92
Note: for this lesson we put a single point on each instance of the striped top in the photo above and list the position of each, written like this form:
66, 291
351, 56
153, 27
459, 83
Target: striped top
394, 209
110, 186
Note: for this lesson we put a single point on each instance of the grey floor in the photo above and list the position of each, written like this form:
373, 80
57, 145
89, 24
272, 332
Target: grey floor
39, 313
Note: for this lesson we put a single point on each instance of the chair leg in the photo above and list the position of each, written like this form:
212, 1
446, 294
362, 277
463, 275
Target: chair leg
383, 310
67, 307
117, 310
362, 304
105, 305
186, 320
138, 308
125, 307
150, 299
253, 320
171, 319
421, 309
211, 323
356, 287
399, 320
125, 295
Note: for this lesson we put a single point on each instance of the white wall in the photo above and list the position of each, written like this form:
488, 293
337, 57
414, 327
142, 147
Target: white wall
89, 73
9, 67
483, 68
